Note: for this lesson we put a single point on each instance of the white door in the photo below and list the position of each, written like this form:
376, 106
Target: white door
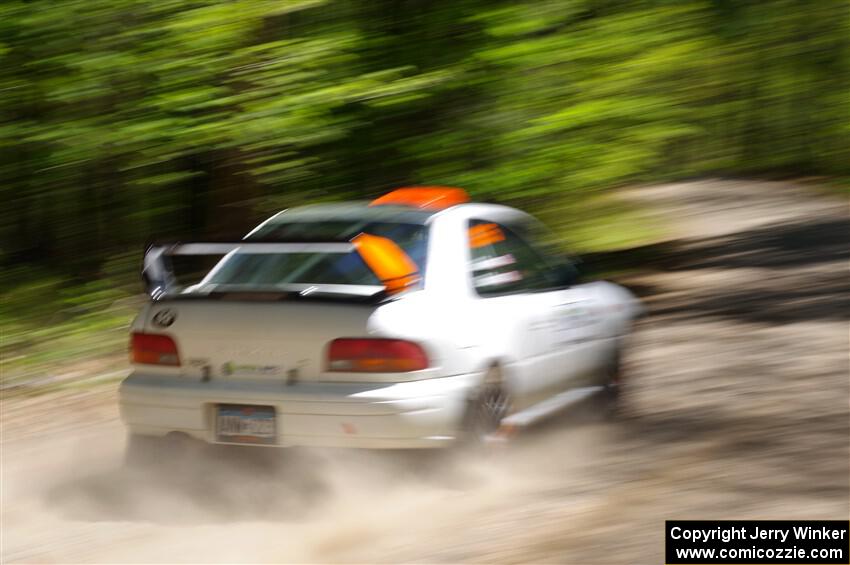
567, 311
516, 305
576, 338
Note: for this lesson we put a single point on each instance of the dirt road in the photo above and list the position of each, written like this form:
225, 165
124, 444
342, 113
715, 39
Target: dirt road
737, 408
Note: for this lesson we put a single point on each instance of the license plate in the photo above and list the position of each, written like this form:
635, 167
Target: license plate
237, 423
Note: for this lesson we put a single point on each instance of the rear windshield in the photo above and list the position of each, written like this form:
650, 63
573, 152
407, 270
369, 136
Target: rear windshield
264, 270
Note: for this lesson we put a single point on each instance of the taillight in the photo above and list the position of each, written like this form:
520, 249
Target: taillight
356, 355
153, 349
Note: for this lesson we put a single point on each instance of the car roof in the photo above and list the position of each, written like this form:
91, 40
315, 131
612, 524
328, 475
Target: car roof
353, 211
362, 211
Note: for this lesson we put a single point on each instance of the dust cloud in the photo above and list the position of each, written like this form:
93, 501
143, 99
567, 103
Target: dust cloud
70, 497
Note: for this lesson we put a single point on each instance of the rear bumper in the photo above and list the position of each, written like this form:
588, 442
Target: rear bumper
416, 414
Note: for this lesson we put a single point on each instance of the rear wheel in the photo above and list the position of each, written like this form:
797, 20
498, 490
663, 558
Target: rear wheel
614, 383
486, 409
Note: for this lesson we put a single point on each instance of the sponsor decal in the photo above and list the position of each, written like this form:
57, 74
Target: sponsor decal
231, 368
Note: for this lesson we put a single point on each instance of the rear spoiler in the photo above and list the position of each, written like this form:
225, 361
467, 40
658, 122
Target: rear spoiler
388, 261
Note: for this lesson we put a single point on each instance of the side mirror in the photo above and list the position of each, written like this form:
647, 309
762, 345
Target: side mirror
567, 272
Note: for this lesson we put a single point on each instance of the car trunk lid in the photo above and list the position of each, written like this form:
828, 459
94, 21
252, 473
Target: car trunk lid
267, 340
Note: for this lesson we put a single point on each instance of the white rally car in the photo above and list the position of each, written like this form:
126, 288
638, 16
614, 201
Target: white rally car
409, 322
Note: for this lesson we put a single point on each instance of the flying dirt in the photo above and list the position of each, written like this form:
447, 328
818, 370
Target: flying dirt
736, 407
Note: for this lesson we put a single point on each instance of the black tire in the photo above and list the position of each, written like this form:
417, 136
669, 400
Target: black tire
486, 409
614, 378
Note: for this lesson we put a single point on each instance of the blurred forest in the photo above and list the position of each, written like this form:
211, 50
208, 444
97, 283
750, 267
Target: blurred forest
125, 119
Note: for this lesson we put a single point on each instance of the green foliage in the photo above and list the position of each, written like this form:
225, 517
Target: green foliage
122, 120
54, 330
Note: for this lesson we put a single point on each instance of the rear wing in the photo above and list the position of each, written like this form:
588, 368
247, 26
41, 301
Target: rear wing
390, 264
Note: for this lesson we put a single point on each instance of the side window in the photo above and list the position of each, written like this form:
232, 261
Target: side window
503, 263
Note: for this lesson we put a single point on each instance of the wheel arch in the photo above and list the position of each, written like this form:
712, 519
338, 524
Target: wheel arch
500, 364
